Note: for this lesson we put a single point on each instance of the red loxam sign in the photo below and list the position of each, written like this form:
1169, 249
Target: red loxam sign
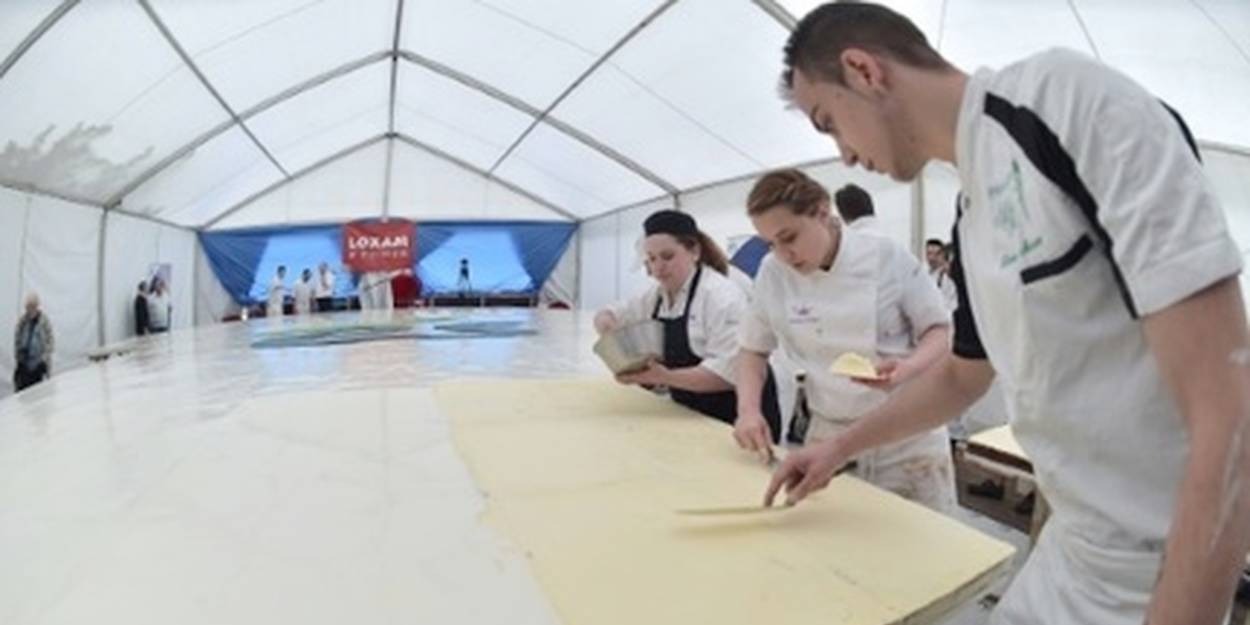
378, 246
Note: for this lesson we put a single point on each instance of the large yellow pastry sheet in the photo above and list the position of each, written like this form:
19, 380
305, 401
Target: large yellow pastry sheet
586, 476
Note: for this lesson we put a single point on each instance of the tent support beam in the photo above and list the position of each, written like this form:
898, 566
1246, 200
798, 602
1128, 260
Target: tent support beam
186, 58
99, 277
646, 21
260, 107
538, 115
495, 179
34, 35
777, 12
345, 152
390, 111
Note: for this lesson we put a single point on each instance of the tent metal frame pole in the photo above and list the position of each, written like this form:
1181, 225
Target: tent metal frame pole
386, 177
917, 217
633, 32
1215, 146
31, 189
538, 115
21, 259
491, 177
99, 276
777, 12
155, 220
1084, 29
345, 152
34, 36
577, 271
195, 69
366, 61
260, 107
712, 185
390, 113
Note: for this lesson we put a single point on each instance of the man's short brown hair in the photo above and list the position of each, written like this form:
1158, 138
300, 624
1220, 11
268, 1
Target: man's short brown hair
818, 41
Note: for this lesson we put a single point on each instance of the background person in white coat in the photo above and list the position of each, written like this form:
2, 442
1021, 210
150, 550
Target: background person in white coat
826, 290
277, 293
1096, 277
302, 293
325, 288
160, 309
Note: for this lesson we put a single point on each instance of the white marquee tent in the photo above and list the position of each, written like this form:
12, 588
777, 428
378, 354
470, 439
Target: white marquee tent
127, 126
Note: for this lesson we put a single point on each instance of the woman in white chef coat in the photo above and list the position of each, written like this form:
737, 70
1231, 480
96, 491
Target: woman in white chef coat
699, 307
826, 290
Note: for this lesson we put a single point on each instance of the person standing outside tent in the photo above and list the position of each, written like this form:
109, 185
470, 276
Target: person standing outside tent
1096, 278
699, 307
826, 290
277, 293
33, 344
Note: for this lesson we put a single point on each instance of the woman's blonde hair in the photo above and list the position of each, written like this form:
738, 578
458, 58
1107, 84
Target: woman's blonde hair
790, 188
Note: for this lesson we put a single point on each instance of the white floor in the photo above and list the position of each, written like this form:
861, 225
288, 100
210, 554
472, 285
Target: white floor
198, 480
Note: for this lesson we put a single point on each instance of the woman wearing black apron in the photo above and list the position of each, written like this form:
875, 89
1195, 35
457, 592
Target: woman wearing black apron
699, 307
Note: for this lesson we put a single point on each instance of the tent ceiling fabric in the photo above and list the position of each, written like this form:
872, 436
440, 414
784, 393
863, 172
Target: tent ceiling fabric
655, 101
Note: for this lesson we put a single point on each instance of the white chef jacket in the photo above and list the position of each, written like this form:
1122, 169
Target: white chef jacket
303, 295
277, 293
713, 324
946, 287
1085, 208
325, 284
786, 312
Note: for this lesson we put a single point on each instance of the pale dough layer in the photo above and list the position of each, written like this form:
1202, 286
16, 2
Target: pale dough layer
585, 478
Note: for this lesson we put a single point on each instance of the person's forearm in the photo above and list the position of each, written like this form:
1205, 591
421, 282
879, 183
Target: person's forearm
933, 344
1210, 531
1201, 346
939, 394
752, 369
697, 379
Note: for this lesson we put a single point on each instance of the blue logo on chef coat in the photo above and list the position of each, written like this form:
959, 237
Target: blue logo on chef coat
801, 313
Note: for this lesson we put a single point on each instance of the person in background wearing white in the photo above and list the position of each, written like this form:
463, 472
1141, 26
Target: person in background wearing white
277, 293
325, 288
826, 290
939, 271
160, 311
375, 290
1097, 280
699, 307
303, 293
33, 344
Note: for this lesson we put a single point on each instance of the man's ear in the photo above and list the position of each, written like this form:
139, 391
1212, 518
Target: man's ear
863, 71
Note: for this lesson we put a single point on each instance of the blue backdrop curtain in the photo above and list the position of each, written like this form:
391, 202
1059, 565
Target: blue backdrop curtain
750, 255
504, 257
245, 261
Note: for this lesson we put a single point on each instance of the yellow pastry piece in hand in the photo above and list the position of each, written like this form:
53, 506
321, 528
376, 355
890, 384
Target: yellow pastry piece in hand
853, 365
